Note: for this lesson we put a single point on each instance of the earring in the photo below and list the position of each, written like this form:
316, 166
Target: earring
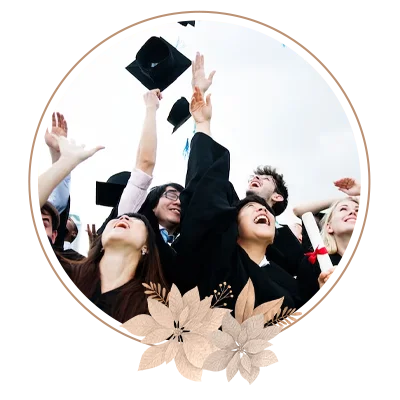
143, 252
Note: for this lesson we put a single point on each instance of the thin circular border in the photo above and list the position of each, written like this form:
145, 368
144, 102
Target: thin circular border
47, 105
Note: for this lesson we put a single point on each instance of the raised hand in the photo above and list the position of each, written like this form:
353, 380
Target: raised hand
201, 110
59, 128
198, 75
348, 186
152, 98
72, 152
92, 234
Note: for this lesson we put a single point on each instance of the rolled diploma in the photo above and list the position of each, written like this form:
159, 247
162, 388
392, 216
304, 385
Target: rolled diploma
316, 240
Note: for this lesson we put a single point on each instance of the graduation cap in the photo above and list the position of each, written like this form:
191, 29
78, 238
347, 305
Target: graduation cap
108, 193
185, 23
158, 64
179, 113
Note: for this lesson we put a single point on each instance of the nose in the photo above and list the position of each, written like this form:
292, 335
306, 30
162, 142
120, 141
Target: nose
124, 217
262, 208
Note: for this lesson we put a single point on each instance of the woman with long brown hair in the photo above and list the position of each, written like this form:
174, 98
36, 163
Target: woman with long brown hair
121, 259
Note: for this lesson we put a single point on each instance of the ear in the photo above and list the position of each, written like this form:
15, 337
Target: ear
54, 236
277, 198
329, 228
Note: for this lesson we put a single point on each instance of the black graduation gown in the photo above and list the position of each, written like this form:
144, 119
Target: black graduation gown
207, 249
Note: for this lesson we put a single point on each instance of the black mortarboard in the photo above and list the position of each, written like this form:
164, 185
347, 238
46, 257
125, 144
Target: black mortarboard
179, 113
108, 193
158, 64
185, 23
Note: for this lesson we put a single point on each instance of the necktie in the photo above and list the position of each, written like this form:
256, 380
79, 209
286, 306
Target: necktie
167, 238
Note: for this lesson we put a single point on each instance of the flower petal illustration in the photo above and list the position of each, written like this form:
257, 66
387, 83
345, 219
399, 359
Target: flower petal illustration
223, 340
197, 348
183, 316
246, 362
231, 326
269, 332
250, 377
153, 357
185, 368
242, 338
263, 359
255, 346
157, 336
233, 366
175, 302
160, 313
218, 360
254, 326
191, 299
140, 325
245, 302
212, 321
172, 350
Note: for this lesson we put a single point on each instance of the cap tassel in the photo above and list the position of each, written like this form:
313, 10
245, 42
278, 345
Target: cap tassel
186, 150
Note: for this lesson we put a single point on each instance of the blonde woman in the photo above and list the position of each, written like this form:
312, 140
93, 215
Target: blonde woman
338, 226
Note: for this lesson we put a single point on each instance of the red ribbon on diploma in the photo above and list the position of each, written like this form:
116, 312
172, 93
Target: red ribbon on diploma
312, 256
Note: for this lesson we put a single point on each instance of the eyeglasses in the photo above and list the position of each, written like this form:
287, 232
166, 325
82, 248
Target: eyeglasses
171, 195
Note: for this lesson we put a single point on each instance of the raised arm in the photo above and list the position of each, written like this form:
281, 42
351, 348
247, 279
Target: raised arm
71, 155
135, 191
60, 195
348, 186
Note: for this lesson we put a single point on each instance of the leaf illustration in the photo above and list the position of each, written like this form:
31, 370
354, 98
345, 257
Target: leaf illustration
141, 325
153, 357
263, 359
218, 360
146, 286
156, 293
233, 366
187, 369
161, 313
269, 309
284, 318
250, 377
245, 302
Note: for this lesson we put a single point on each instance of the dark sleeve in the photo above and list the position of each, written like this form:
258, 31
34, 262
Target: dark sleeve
61, 231
207, 203
208, 227
286, 250
307, 279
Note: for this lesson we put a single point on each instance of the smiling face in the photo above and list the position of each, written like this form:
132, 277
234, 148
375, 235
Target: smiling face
168, 209
255, 222
265, 187
343, 218
126, 231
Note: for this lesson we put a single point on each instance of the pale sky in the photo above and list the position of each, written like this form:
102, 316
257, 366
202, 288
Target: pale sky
269, 107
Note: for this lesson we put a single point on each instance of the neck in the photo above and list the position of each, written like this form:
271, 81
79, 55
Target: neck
117, 267
171, 228
255, 250
342, 243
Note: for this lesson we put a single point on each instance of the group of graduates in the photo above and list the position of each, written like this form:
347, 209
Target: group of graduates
200, 234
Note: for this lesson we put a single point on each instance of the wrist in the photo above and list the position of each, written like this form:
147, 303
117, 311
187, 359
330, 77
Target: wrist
203, 127
55, 155
151, 109
68, 162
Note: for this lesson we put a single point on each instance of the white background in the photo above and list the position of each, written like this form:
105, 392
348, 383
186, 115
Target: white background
44, 346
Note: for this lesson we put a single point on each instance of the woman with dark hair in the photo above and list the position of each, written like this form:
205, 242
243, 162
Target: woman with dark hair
121, 259
223, 240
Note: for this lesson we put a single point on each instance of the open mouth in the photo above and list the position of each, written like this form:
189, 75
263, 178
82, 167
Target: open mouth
122, 224
255, 184
262, 219
176, 211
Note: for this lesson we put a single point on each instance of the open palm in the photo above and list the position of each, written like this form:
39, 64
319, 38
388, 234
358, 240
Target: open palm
58, 128
198, 75
348, 186
201, 110
74, 152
